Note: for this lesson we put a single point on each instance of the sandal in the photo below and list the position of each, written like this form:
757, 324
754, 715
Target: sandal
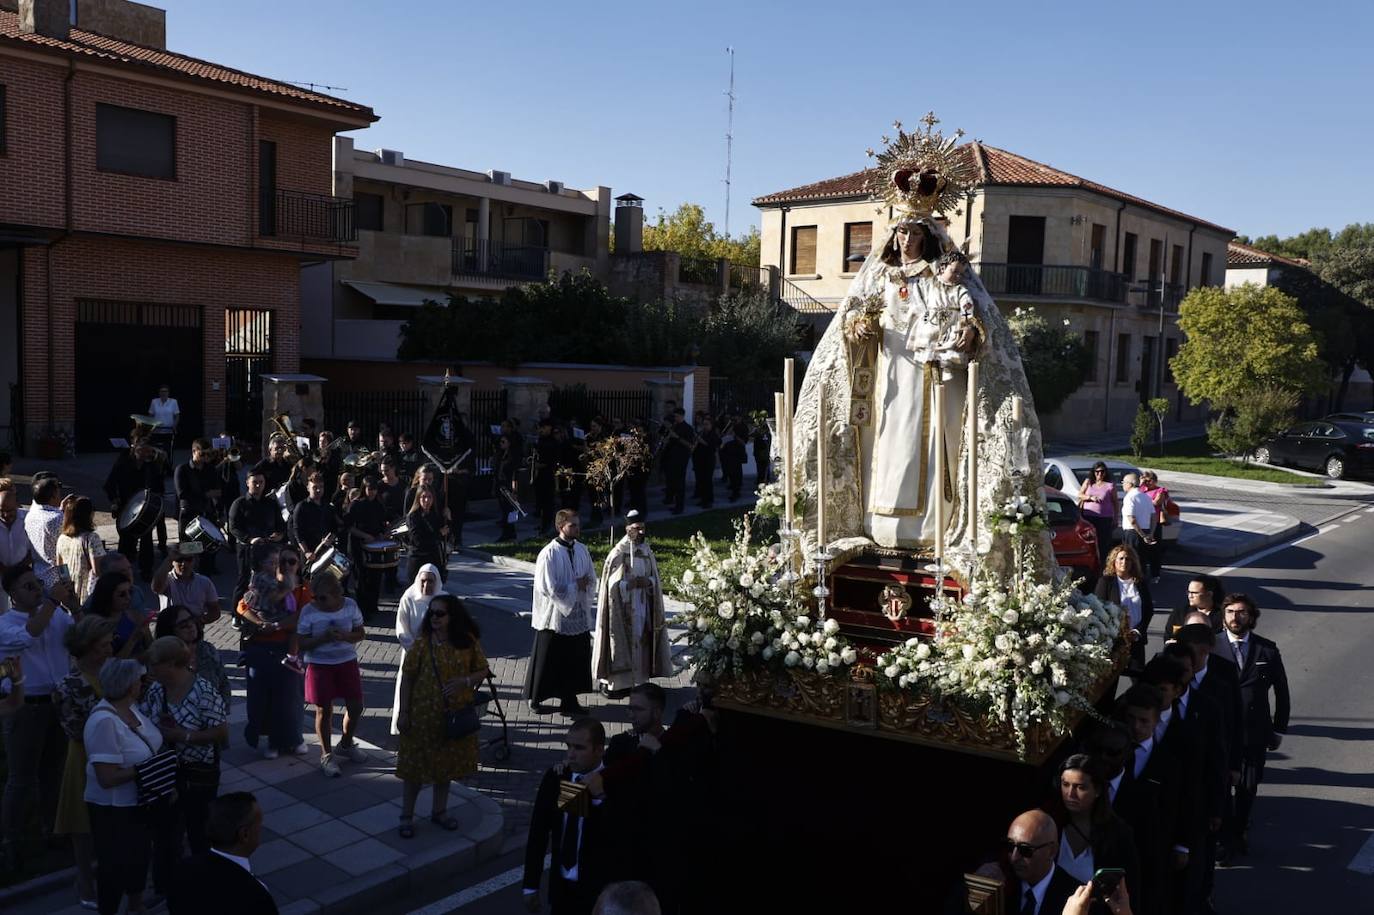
444, 821
407, 827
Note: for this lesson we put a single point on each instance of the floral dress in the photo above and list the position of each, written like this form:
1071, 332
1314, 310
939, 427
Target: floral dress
79, 554
76, 695
424, 755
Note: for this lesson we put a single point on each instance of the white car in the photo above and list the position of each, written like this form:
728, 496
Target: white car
1068, 474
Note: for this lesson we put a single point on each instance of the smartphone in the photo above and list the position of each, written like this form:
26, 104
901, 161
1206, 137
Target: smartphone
1105, 881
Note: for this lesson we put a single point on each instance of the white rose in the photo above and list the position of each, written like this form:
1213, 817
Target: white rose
903, 680
688, 577
833, 659
1013, 528
808, 662
892, 671
822, 667
1036, 667
703, 623
757, 638
912, 642
746, 580
803, 622
757, 590
922, 651
726, 610
969, 652
1011, 617
849, 656
1000, 643
792, 659
831, 627
830, 644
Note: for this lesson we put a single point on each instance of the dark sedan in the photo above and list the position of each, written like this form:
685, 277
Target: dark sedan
1338, 449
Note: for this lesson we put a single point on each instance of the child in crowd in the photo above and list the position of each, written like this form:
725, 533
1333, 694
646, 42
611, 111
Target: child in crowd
329, 629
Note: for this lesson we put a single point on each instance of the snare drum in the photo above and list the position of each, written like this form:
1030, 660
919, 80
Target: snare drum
140, 515
332, 561
205, 532
382, 554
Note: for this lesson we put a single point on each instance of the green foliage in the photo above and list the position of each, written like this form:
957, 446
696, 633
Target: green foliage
1309, 244
1054, 357
1241, 340
1142, 428
688, 232
1259, 416
574, 319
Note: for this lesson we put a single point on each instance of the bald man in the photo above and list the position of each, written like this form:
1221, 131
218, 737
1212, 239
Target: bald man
1041, 886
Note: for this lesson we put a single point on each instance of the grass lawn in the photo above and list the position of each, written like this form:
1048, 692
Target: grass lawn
1195, 455
668, 536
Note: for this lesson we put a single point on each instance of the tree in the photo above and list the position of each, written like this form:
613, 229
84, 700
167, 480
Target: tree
688, 232
747, 336
1055, 359
1241, 340
1259, 417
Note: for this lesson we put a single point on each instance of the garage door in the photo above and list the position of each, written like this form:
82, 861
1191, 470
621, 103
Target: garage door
124, 352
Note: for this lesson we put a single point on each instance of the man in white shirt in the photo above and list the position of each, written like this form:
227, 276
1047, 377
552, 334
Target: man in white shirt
35, 745
44, 522
14, 539
560, 665
1137, 518
165, 409
178, 581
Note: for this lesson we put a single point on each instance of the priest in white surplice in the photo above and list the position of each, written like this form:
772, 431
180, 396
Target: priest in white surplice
631, 642
561, 660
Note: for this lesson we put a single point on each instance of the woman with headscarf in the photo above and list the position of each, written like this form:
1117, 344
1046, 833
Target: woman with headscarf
410, 611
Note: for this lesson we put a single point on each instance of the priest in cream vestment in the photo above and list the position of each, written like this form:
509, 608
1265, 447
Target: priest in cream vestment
631, 641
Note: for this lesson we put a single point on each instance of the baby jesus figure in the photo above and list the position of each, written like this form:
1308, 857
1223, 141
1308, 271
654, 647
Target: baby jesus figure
944, 331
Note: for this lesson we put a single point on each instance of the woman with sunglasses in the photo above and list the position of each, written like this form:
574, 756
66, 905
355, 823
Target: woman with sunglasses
442, 672
1098, 501
113, 599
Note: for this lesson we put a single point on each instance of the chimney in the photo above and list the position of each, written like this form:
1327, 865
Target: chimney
123, 19
45, 17
629, 224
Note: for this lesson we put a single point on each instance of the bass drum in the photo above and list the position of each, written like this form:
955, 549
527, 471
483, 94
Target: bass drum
381, 554
140, 515
205, 532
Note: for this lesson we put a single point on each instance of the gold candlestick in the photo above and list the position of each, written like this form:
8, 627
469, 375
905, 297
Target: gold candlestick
971, 436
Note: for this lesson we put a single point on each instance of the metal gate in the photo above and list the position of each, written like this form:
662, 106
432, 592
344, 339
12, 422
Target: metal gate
247, 356
124, 352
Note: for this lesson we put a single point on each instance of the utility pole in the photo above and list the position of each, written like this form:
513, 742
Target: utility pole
729, 137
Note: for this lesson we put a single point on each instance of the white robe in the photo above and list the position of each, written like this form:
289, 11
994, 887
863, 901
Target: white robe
631, 643
560, 602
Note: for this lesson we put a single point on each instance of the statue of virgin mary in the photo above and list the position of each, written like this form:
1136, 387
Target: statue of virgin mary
913, 317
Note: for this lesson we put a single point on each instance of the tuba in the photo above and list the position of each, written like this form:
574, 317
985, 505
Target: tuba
283, 423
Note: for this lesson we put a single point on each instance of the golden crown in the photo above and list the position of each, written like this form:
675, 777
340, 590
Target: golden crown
920, 173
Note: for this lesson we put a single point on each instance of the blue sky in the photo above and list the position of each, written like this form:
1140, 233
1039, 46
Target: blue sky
1255, 116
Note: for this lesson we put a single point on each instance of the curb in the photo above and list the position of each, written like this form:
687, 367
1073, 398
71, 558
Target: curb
41, 885
1251, 544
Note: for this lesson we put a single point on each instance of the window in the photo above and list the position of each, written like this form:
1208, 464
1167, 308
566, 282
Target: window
1090, 344
1123, 358
1176, 266
1053, 478
858, 241
803, 250
135, 142
429, 218
369, 211
3, 122
1205, 275
1128, 256
1156, 260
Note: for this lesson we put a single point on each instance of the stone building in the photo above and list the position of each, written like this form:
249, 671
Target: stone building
1113, 264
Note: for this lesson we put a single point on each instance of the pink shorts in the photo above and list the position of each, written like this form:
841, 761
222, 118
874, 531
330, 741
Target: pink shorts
326, 682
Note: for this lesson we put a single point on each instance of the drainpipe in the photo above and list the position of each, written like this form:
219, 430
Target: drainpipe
1116, 244
782, 245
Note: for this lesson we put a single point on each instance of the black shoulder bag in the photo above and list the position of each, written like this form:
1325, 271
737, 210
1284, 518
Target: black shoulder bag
459, 722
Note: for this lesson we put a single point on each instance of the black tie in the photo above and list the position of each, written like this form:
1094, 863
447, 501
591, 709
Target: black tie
1028, 907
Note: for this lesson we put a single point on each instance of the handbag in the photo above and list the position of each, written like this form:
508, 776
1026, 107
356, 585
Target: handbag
156, 776
458, 722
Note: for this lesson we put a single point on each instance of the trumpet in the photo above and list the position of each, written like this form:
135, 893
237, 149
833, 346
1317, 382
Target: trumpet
218, 457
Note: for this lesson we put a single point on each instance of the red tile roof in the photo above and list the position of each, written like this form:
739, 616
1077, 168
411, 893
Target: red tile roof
996, 168
90, 45
1239, 255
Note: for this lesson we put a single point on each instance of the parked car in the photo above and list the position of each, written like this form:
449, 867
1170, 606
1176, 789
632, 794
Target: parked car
1364, 416
1337, 449
1067, 474
1074, 538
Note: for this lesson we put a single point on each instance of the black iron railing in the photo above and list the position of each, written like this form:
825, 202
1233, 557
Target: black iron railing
1150, 294
579, 404
748, 278
703, 271
1053, 280
800, 300
497, 260
309, 217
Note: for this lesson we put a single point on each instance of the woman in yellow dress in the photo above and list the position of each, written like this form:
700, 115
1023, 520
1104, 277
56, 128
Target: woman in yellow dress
90, 642
441, 671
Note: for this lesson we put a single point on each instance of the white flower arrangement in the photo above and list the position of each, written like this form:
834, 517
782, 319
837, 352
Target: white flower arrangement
742, 618
1018, 515
769, 501
1025, 653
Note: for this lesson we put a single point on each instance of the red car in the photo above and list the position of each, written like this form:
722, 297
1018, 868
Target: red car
1074, 538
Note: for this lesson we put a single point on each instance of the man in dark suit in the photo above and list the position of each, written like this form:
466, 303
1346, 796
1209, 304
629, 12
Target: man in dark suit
1041, 887
220, 881
579, 844
646, 706
1261, 669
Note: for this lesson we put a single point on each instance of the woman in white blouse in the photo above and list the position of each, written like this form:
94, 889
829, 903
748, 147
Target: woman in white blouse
118, 737
1123, 583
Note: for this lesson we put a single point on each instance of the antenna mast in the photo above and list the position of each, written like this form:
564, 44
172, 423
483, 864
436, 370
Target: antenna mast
729, 137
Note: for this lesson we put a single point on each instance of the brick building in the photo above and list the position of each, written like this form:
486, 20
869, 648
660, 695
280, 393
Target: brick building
155, 213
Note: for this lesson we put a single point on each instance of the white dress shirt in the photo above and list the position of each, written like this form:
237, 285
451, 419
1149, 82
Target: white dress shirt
241, 862
1130, 602
45, 658
1114, 785
14, 548
1142, 756
165, 412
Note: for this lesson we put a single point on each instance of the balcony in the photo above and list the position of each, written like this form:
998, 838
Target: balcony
487, 259
1054, 281
300, 216
1150, 293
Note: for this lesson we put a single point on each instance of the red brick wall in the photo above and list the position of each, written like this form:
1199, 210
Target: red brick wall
305, 152
31, 169
137, 271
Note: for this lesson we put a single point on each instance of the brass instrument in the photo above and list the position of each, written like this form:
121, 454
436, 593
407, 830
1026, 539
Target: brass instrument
288, 435
361, 460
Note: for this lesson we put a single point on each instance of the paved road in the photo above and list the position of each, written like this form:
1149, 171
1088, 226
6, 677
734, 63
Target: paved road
1316, 808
